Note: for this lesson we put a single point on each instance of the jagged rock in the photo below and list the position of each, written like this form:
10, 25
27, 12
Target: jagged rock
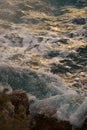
19, 98
6, 107
10, 108
70, 109
14, 111
44, 123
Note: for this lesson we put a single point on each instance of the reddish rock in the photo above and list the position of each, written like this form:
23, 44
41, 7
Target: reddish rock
19, 99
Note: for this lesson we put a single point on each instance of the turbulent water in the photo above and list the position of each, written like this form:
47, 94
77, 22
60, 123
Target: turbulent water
40, 84
43, 50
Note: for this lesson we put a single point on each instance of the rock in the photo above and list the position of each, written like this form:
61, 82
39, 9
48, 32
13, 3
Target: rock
19, 98
78, 118
79, 21
14, 111
44, 123
10, 108
58, 110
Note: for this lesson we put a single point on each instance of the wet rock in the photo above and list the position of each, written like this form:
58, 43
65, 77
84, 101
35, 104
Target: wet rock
19, 98
14, 111
44, 123
60, 110
10, 108
6, 108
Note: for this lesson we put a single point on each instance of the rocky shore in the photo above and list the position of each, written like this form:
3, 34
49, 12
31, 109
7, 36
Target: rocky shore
20, 110
43, 65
